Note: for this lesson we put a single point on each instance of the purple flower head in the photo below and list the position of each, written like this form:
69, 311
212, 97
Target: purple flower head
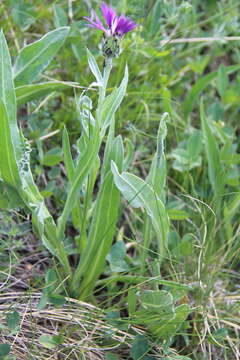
114, 25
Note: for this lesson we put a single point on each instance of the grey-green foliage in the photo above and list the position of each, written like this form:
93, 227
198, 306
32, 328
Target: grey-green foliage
35, 57
14, 163
140, 194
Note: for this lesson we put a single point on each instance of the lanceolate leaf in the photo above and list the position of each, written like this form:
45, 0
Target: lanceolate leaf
100, 237
113, 101
14, 160
35, 57
215, 173
94, 68
68, 160
115, 153
7, 95
82, 169
157, 174
157, 179
141, 194
8, 163
35, 91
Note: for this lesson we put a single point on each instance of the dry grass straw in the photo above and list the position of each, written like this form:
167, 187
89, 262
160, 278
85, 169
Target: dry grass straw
84, 328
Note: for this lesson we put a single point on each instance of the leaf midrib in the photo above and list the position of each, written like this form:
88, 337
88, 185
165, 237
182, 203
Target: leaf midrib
34, 58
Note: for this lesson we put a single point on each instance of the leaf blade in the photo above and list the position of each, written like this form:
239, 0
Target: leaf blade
35, 57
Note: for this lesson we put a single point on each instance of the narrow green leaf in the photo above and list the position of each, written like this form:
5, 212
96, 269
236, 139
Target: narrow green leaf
129, 154
222, 80
216, 175
157, 179
8, 163
83, 168
101, 234
132, 300
35, 91
112, 102
77, 216
194, 144
94, 68
60, 16
7, 94
68, 161
141, 194
13, 151
115, 153
35, 57
158, 172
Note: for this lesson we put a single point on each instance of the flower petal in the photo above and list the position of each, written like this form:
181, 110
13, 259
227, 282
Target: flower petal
109, 14
115, 25
95, 24
124, 25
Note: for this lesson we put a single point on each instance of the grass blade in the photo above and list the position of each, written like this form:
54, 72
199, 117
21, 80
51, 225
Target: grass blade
215, 172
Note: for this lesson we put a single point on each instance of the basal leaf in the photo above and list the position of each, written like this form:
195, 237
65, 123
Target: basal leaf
7, 94
84, 165
101, 234
8, 163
